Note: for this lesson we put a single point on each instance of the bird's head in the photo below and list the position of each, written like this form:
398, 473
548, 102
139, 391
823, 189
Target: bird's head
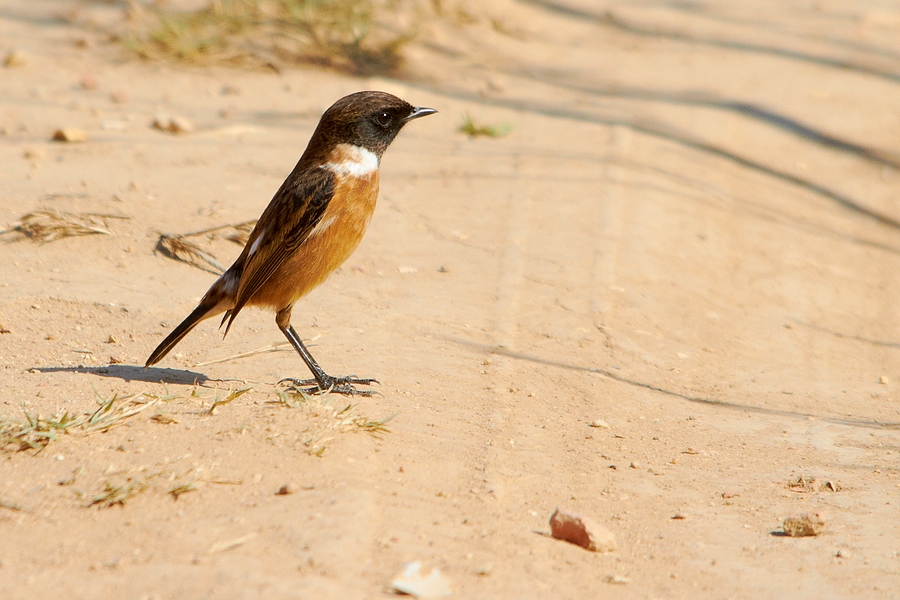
370, 120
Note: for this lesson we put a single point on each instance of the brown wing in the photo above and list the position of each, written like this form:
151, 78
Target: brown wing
283, 227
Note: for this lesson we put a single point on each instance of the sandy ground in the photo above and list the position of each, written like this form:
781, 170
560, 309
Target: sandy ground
690, 232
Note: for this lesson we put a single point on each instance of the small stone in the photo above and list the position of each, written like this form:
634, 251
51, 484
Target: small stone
15, 58
581, 531
618, 579
691, 451
89, 81
635, 465
286, 490
70, 134
884, 380
172, 124
679, 516
111, 340
443, 269
599, 423
842, 553
408, 270
805, 525
413, 582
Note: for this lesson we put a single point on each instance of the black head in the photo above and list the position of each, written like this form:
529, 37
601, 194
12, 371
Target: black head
368, 119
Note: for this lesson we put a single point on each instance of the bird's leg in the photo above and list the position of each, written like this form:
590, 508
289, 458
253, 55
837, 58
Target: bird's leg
321, 382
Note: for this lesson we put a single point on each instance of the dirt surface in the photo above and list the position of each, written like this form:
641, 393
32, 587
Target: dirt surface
690, 233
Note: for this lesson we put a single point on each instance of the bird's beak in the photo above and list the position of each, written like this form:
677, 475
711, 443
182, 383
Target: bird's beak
420, 111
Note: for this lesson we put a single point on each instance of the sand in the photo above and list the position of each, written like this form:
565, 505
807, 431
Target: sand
689, 231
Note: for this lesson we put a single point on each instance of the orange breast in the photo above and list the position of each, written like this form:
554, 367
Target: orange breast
331, 242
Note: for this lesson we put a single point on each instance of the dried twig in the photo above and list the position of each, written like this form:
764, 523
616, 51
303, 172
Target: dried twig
47, 224
273, 348
181, 246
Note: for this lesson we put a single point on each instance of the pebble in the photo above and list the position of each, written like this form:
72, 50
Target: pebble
172, 124
581, 531
805, 525
286, 489
884, 380
618, 579
412, 581
599, 423
15, 58
89, 81
70, 134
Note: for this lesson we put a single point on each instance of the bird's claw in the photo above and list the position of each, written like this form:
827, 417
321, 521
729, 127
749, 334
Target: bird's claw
333, 385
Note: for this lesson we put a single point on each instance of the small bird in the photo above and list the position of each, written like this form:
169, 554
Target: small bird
312, 225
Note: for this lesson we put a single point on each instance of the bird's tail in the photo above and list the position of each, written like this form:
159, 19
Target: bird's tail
203, 311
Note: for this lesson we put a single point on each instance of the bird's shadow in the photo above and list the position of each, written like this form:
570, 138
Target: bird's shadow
134, 373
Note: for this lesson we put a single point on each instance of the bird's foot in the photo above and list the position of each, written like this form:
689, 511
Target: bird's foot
331, 385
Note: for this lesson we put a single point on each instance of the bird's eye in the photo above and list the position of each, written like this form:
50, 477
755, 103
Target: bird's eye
383, 118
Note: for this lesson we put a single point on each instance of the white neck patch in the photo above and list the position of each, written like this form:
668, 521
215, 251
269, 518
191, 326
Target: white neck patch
353, 161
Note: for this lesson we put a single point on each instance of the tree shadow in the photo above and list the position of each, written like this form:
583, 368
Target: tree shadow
712, 402
714, 13
667, 133
756, 210
608, 19
848, 336
746, 109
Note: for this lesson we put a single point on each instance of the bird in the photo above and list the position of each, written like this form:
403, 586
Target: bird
312, 225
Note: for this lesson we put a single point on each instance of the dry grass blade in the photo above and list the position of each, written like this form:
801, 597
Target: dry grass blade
327, 419
471, 129
11, 506
273, 348
375, 427
115, 411
241, 233
235, 394
184, 488
341, 34
164, 419
228, 545
114, 494
36, 432
47, 224
175, 246
182, 246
